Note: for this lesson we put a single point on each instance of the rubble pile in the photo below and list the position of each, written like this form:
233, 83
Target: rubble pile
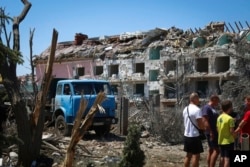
130, 44
170, 62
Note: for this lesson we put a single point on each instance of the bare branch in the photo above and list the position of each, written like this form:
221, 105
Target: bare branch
16, 38
31, 62
27, 6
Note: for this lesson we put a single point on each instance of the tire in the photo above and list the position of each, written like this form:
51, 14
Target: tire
61, 126
102, 130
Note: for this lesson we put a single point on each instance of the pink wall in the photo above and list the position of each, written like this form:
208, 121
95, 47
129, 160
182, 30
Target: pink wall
65, 69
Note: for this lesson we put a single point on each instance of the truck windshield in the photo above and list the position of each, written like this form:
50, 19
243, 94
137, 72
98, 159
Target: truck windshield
91, 88
102, 87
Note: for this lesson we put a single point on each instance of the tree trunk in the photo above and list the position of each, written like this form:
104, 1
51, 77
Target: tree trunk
36, 120
38, 115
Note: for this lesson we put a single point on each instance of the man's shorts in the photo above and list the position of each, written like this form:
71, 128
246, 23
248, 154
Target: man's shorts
212, 143
224, 149
193, 145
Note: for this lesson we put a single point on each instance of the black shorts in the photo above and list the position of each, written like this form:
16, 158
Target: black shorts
193, 145
225, 149
212, 143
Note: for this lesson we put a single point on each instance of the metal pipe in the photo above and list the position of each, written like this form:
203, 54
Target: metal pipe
245, 142
241, 25
237, 26
231, 27
227, 29
247, 24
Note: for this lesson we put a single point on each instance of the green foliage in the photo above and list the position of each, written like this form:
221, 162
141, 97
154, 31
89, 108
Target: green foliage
10, 55
3, 95
6, 53
133, 156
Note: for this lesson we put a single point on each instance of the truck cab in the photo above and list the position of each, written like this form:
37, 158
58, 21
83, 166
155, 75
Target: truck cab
66, 103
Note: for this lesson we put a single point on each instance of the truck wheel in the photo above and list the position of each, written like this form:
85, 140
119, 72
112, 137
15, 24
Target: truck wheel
102, 130
61, 126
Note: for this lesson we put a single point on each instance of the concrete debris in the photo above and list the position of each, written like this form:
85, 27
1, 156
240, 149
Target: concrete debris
151, 62
13, 155
102, 152
128, 42
145, 134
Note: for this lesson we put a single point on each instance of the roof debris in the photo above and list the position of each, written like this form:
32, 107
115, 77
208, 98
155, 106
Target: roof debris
129, 44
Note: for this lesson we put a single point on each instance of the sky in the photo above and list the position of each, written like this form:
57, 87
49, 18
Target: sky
112, 17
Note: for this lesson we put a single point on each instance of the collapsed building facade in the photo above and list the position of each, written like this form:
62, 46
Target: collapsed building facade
170, 62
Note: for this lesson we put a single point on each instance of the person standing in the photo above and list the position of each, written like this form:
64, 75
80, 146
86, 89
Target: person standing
244, 125
210, 115
225, 127
192, 143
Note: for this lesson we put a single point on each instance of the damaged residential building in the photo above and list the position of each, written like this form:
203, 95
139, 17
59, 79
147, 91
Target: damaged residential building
170, 62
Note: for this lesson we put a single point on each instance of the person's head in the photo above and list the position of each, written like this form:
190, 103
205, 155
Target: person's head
247, 100
214, 100
194, 98
226, 106
66, 89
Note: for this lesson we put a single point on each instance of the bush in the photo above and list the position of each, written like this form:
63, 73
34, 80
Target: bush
132, 153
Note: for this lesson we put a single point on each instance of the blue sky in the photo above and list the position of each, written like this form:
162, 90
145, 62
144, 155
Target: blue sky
111, 17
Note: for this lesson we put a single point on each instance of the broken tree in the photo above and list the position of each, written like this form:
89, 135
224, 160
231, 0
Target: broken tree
29, 125
81, 126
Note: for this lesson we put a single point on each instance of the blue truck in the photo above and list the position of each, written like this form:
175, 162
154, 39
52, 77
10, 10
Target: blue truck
64, 98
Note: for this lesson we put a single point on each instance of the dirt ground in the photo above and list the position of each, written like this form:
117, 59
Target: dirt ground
94, 151
106, 152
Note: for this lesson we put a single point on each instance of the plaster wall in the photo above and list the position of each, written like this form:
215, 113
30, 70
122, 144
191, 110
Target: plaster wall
65, 69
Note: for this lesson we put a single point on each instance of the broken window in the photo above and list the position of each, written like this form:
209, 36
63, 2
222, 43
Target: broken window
202, 65
140, 68
80, 71
222, 64
202, 88
153, 75
114, 69
139, 89
98, 70
170, 91
170, 66
154, 53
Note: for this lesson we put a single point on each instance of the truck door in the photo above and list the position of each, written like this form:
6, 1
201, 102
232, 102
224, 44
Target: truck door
66, 100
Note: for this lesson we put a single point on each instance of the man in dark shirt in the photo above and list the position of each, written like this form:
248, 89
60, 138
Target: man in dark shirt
210, 116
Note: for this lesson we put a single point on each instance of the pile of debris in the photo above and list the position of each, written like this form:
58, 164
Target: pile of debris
133, 44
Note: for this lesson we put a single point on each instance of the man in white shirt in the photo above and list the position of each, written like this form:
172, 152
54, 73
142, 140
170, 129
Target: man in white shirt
192, 143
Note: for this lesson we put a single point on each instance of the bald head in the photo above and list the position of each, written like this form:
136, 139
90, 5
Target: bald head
194, 98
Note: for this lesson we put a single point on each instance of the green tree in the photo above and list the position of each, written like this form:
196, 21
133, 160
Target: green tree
133, 156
